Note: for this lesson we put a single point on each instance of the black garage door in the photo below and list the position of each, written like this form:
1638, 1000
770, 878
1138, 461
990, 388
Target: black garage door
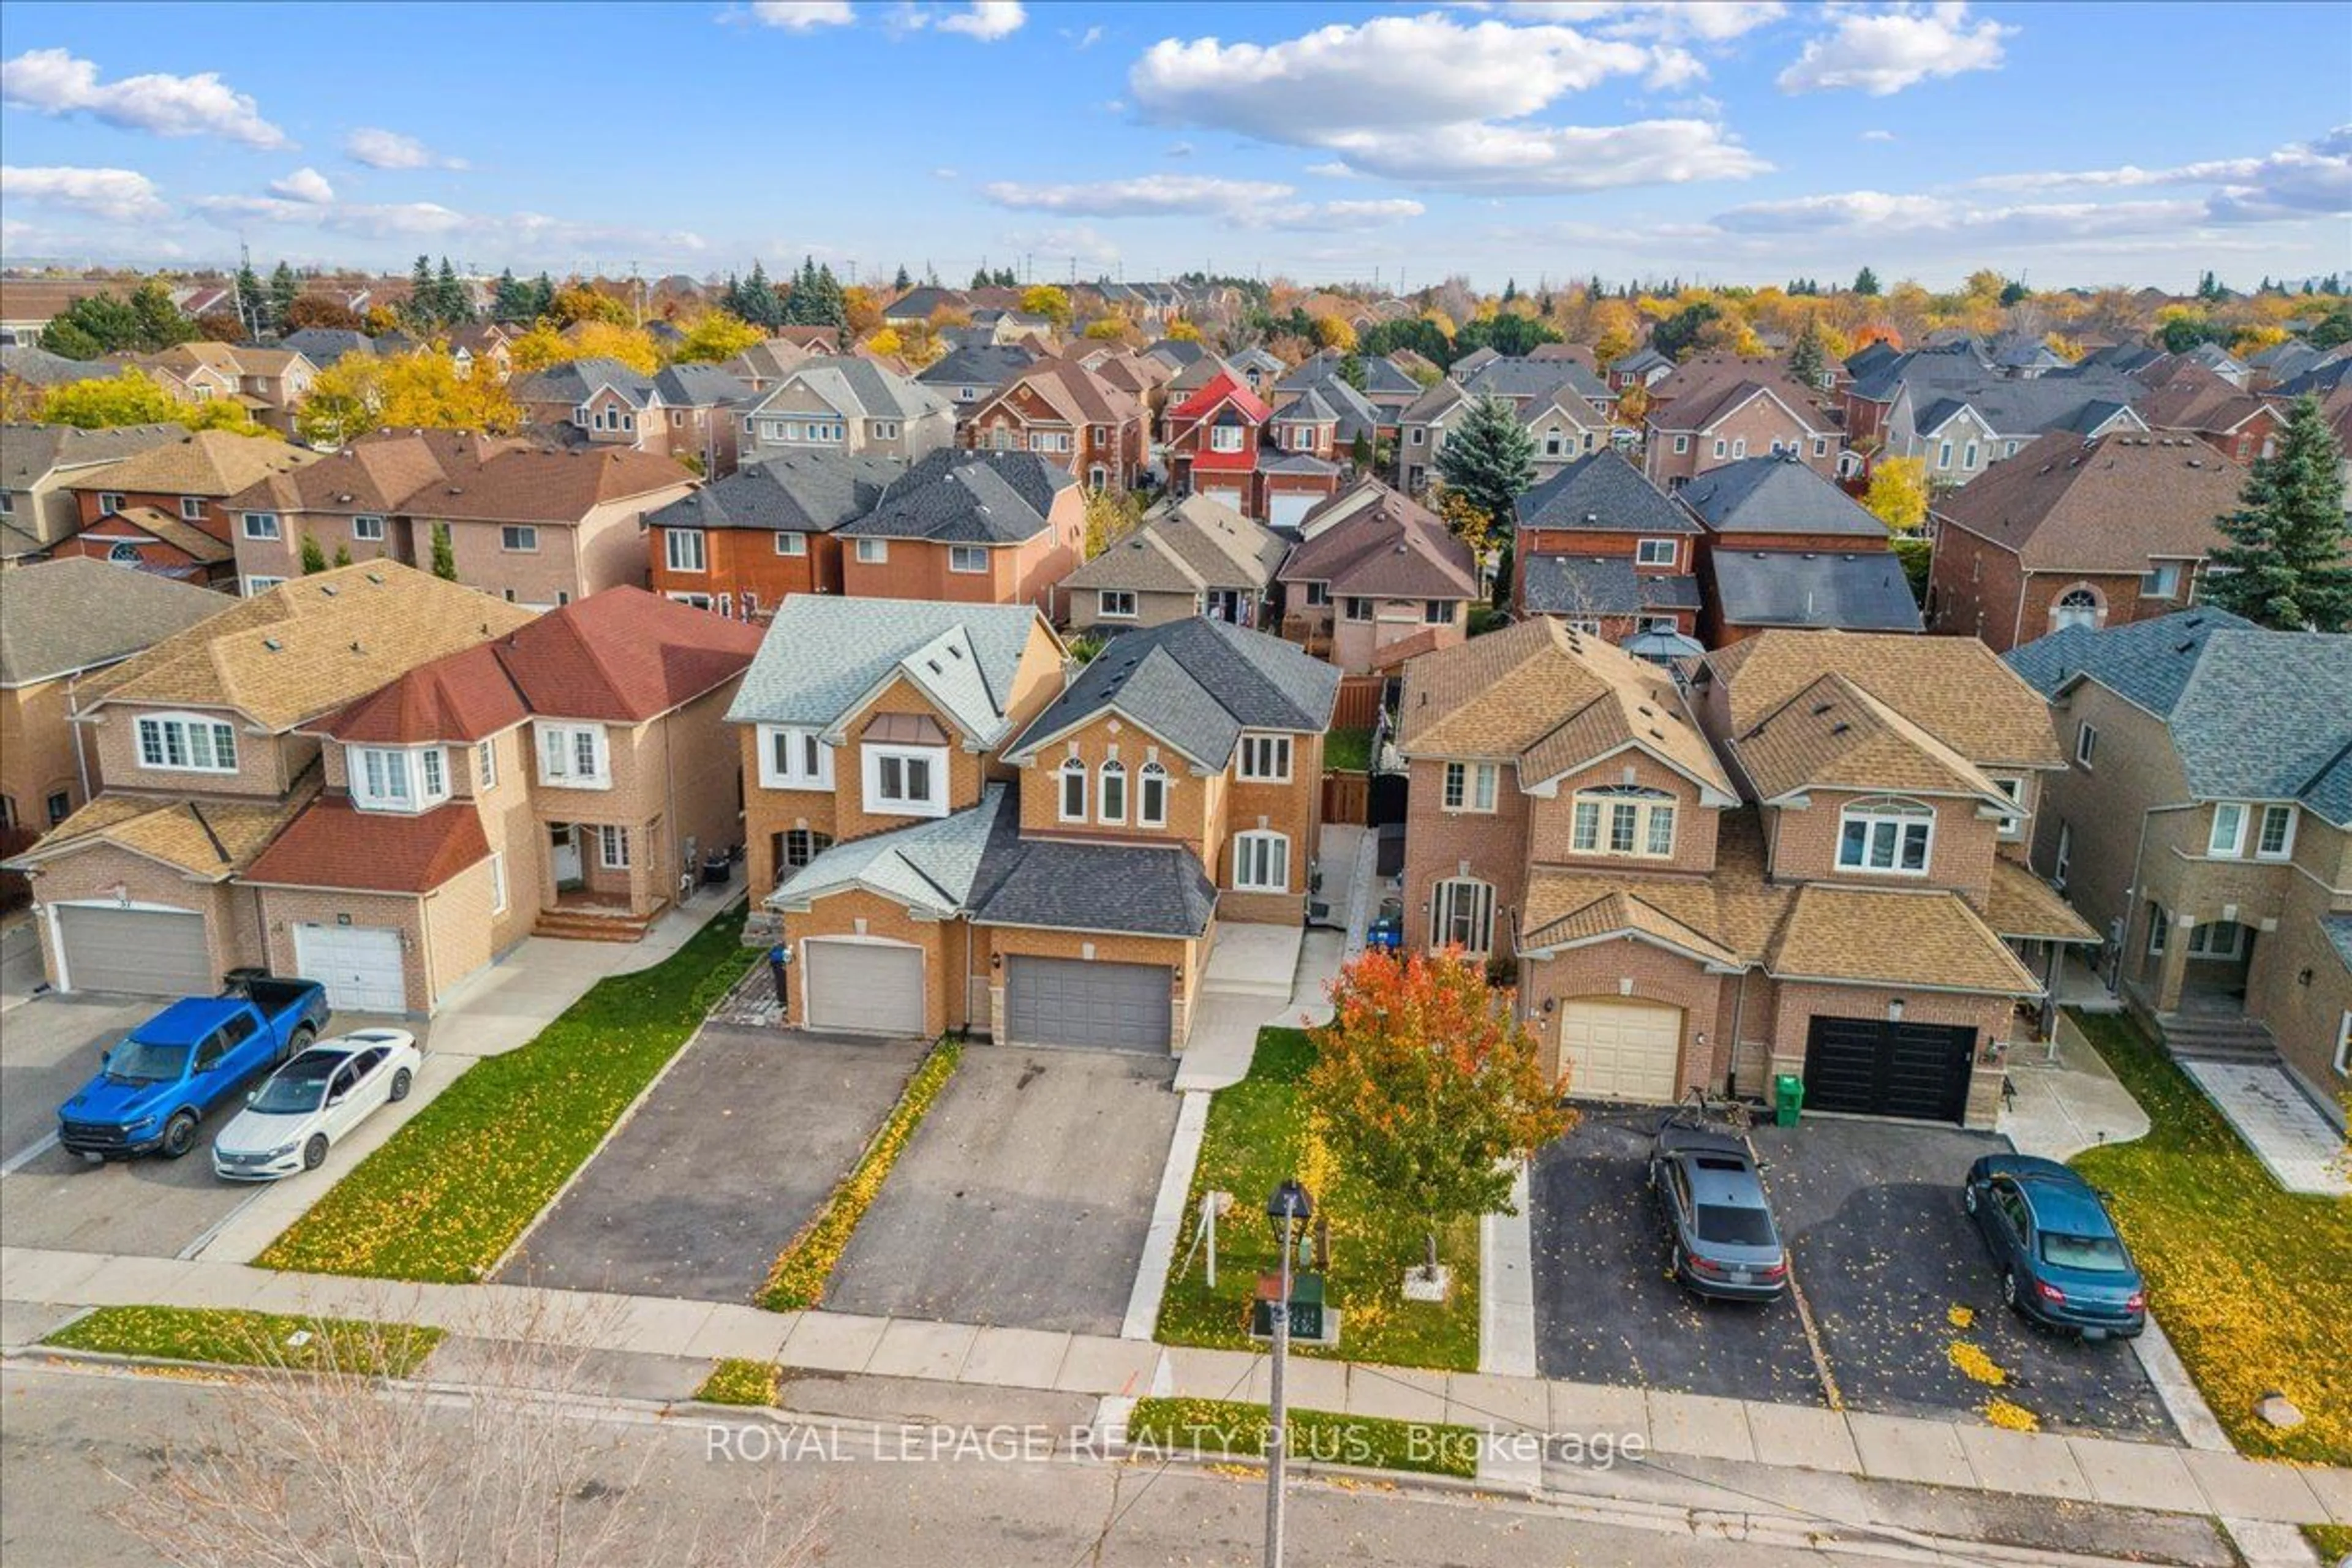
1870, 1068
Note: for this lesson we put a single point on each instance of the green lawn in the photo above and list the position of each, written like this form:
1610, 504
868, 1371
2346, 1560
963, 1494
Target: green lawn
2252, 1284
1255, 1139
444, 1198
1347, 752
231, 1337
1231, 1429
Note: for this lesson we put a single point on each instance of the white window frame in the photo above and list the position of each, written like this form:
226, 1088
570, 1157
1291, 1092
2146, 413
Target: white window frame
1446, 911
2153, 583
789, 542
2287, 815
259, 525
1114, 603
2062, 862
2343, 1044
1071, 789
2225, 837
1472, 787
1218, 435
109, 503
794, 756
2160, 931
1598, 818
486, 766
1258, 756
1110, 794
2200, 946
1261, 861
1900, 816
367, 526
560, 755
1152, 781
1944, 456
160, 735
677, 554
611, 846
2086, 744
1646, 552
404, 779
872, 552
191, 509
519, 538
253, 586
1682, 444
933, 802
1722, 447
968, 559
498, 883
2011, 826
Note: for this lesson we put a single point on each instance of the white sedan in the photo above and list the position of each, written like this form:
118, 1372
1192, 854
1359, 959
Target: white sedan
314, 1101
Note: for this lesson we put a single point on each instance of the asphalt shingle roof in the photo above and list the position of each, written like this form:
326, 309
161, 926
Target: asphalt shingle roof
58, 617
1197, 684
1603, 492
1776, 495
929, 866
799, 492
1600, 585
823, 653
1865, 591
967, 498
1142, 889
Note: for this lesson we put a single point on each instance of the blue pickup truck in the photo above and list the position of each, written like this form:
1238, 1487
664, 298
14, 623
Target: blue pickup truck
155, 1087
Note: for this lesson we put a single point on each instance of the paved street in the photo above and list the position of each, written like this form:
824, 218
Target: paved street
1024, 1198
726, 1159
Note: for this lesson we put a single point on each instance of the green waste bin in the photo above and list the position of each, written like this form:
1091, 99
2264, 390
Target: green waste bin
1788, 1098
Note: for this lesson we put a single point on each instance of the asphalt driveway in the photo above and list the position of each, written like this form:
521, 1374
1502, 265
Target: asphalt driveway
1879, 1243
737, 1146
1023, 1198
1607, 1307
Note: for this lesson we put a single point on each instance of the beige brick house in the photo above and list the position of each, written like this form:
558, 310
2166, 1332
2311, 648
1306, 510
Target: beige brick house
202, 740
1188, 557
974, 843
560, 778
1377, 578
2204, 824
1798, 866
1718, 408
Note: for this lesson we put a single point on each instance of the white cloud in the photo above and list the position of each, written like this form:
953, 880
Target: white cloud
1878, 135
1085, 40
380, 149
2303, 179
120, 195
1883, 52
1711, 21
987, 20
524, 232
1537, 159
1244, 204
1879, 216
1671, 67
304, 185
800, 16
55, 82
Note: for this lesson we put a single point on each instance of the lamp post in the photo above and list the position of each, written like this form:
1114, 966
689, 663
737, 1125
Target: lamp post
1288, 1207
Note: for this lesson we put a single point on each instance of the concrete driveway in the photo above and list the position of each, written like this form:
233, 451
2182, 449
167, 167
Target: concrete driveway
1607, 1307
726, 1159
1024, 1199
49, 1046
1871, 1211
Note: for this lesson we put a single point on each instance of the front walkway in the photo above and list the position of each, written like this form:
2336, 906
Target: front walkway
42, 1286
2292, 1137
2066, 1099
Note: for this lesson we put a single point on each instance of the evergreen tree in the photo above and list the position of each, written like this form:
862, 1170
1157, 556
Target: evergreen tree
1806, 359
2014, 292
343, 555
902, 282
829, 308
980, 278
252, 306
1489, 459
758, 303
2283, 566
1510, 290
453, 302
1866, 282
444, 556
420, 293
512, 300
314, 558
284, 290
542, 296
157, 323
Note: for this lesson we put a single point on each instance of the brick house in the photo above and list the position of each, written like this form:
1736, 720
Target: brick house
37, 510
269, 383
1788, 873
559, 778
202, 743
988, 848
62, 623
685, 410
971, 375
2205, 826
2232, 421
978, 528
743, 544
543, 528
1718, 408
1784, 547
354, 500
848, 404
1603, 548
1960, 415
2074, 532
164, 510
1217, 444
1069, 415
1188, 556
1376, 578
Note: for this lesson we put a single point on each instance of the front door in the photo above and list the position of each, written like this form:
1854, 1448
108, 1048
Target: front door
564, 844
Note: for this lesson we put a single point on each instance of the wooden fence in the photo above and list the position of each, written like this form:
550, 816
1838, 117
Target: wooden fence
1346, 798
1359, 706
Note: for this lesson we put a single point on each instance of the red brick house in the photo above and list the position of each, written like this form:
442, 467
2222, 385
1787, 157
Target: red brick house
1720, 409
164, 510
1785, 547
980, 528
1606, 552
2195, 401
1068, 414
1218, 445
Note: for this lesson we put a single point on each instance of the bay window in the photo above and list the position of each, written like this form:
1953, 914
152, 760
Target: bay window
398, 778
1261, 862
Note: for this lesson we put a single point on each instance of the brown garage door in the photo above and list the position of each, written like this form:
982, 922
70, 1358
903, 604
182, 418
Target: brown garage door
145, 953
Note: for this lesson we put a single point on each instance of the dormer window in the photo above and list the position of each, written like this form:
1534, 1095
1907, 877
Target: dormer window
1887, 835
389, 778
1225, 438
176, 743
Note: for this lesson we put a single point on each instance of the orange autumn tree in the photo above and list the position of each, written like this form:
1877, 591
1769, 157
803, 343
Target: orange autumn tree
1426, 1090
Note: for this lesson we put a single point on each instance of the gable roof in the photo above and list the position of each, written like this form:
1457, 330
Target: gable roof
533, 484
1776, 494
1576, 585
1222, 387
377, 473
201, 463
1862, 591
1184, 546
1520, 377
956, 497
823, 653
930, 866
307, 646
1955, 688
197, 544
2253, 714
697, 385
577, 380
855, 386
794, 492
1831, 733
1554, 701
59, 616
1602, 492
1392, 547
987, 364
2065, 504
1196, 684
28, 453
207, 839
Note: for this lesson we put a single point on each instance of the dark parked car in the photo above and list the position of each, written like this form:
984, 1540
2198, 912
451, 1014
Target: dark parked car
1725, 1244
2061, 1261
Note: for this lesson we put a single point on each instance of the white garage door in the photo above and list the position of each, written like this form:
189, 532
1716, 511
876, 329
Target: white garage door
147, 952
1225, 497
1289, 511
1621, 1050
359, 965
866, 987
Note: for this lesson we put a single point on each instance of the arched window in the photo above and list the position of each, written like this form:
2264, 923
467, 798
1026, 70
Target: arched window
123, 555
1461, 914
1114, 793
1261, 862
1074, 791
1886, 834
2075, 607
1623, 819
1151, 799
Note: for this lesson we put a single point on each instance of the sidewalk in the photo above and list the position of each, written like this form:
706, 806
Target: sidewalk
2067, 1099
40, 1285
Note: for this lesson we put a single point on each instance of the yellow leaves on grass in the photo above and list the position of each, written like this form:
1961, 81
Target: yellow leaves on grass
736, 1380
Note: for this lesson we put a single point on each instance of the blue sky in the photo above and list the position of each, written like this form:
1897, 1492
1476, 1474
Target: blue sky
1740, 140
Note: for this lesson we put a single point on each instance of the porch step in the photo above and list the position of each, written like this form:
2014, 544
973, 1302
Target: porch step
2204, 1038
580, 925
